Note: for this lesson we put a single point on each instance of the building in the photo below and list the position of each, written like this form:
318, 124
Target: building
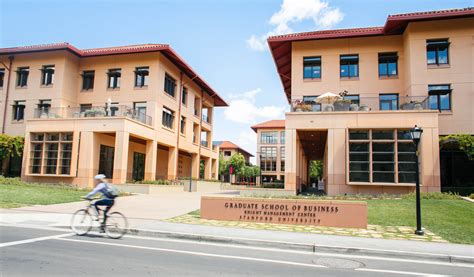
417, 69
227, 149
131, 112
271, 149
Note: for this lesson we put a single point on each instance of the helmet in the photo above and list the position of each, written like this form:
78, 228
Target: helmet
100, 177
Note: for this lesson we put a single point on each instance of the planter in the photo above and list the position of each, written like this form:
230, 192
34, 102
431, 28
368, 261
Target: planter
364, 108
342, 106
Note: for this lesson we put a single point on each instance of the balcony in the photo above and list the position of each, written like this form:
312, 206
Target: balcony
98, 111
364, 104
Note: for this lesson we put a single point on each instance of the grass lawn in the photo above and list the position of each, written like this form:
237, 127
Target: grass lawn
18, 194
451, 219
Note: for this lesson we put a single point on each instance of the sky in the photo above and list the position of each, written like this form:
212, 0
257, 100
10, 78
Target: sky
223, 40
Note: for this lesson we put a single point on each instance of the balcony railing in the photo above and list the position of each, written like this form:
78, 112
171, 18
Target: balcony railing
363, 104
99, 111
204, 143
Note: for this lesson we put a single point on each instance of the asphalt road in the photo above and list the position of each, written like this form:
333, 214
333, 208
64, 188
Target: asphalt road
50, 252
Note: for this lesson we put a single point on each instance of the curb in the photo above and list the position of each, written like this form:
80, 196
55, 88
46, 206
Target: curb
315, 248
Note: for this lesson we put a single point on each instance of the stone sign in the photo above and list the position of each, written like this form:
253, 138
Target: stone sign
352, 214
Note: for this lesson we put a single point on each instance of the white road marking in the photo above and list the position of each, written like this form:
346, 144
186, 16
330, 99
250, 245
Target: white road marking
5, 244
301, 252
196, 253
400, 272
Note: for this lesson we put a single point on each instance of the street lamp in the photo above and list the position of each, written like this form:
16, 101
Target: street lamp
415, 134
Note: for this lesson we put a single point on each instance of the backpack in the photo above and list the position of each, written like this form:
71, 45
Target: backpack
111, 191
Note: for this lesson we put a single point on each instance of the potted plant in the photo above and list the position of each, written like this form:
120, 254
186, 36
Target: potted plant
301, 106
342, 105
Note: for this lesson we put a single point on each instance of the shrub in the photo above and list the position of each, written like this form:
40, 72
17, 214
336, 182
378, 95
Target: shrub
155, 182
433, 195
471, 196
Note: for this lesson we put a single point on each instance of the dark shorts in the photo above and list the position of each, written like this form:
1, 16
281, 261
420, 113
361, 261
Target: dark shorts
105, 202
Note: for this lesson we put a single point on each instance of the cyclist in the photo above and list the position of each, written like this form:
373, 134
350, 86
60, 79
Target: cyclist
108, 192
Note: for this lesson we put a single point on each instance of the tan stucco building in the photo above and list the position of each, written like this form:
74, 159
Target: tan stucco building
271, 150
227, 149
417, 69
133, 112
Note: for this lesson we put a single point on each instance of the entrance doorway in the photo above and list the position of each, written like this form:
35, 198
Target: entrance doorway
313, 144
138, 171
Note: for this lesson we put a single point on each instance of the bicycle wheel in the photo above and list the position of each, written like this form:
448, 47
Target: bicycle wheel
116, 225
81, 222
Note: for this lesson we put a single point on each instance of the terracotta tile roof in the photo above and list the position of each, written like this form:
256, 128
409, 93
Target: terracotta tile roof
272, 124
165, 49
230, 145
280, 45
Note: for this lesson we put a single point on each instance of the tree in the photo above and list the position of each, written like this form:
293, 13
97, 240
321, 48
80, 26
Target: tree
223, 165
464, 142
316, 169
9, 146
237, 161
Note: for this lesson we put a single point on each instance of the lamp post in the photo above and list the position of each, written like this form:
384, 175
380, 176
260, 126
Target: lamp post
415, 134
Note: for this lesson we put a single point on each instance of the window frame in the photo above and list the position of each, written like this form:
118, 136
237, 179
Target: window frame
170, 84
2, 77
182, 125
387, 58
386, 101
18, 108
47, 75
22, 74
142, 73
169, 119
348, 62
354, 98
312, 62
396, 140
435, 45
184, 96
114, 76
106, 166
268, 157
267, 139
90, 76
54, 153
438, 93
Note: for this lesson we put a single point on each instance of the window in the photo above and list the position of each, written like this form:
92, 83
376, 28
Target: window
269, 138
349, 66
310, 100
388, 102
182, 125
57, 153
106, 161
227, 153
372, 156
440, 97
388, 64
114, 76
312, 67
88, 79
141, 76
47, 75
268, 158
353, 98
170, 85
22, 76
197, 103
184, 96
19, 110
139, 111
85, 107
44, 105
282, 137
140, 107
167, 118
204, 138
2, 76
282, 159
114, 108
437, 51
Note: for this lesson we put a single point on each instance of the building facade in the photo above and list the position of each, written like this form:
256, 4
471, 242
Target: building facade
132, 113
271, 150
417, 69
227, 149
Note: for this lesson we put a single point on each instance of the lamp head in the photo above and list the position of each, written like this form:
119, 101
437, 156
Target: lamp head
415, 134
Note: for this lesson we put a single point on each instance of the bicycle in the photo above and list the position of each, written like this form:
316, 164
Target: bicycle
82, 221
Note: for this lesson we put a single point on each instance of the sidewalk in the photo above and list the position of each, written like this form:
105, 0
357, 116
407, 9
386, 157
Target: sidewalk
446, 252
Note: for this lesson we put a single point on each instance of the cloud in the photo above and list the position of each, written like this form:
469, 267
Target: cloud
295, 11
243, 109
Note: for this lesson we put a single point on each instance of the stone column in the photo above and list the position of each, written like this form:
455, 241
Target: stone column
291, 157
150, 160
215, 169
172, 163
208, 168
195, 165
85, 167
121, 157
